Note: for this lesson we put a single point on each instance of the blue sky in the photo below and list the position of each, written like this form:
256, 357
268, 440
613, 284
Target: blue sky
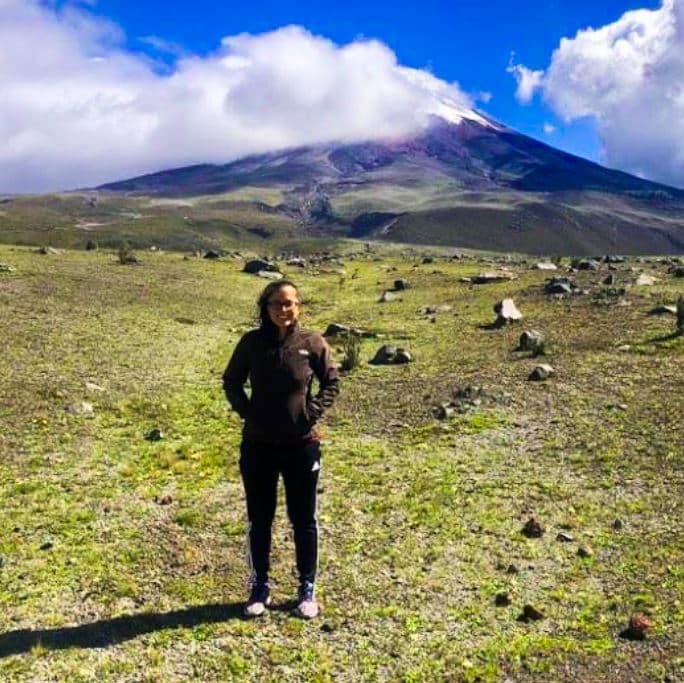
470, 42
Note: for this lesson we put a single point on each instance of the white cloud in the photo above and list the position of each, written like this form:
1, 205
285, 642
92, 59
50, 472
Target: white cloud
549, 128
628, 76
78, 109
528, 81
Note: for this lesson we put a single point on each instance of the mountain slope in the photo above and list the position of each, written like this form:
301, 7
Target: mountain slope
471, 182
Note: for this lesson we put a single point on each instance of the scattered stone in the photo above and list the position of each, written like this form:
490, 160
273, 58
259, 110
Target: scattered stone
617, 524
467, 280
541, 373
94, 388
559, 285
638, 625
83, 408
502, 599
545, 265
612, 258
6, 268
48, 251
327, 628
512, 569
531, 613
609, 279
337, 329
155, 434
270, 274
386, 296
390, 355
48, 545
255, 266
401, 284
297, 261
585, 264
564, 537
645, 280
665, 309
624, 347
185, 321
433, 310
585, 551
531, 340
533, 528
443, 411
506, 312
164, 499
428, 259
489, 277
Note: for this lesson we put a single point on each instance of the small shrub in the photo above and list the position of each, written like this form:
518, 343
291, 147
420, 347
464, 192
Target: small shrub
352, 352
91, 245
126, 255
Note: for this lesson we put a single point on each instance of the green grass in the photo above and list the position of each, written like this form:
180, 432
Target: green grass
420, 518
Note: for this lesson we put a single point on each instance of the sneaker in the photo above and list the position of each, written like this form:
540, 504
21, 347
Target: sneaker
258, 601
307, 607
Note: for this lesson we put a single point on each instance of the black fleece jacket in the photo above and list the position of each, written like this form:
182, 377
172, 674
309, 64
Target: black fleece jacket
281, 408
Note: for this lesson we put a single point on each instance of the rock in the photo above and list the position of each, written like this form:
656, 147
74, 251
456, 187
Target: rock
386, 296
585, 551
164, 499
335, 329
48, 251
665, 309
678, 271
617, 524
506, 312
502, 599
94, 388
645, 280
545, 265
428, 259
443, 411
270, 274
155, 434
512, 569
624, 347
489, 277
585, 264
6, 268
297, 261
612, 258
211, 255
609, 279
401, 284
637, 627
48, 545
390, 355
258, 265
531, 613
559, 285
327, 628
83, 408
541, 372
564, 537
531, 340
533, 528
466, 280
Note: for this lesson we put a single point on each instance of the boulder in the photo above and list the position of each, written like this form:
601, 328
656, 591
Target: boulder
401, 284
559, 285
492, 276
585, 264
506, 312
545, 265
390, 355
270, 274
259, 265
665, 309
211, 255
297, 261
541, 373
531, 340
386, 296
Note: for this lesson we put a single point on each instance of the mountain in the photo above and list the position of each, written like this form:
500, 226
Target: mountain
468, 181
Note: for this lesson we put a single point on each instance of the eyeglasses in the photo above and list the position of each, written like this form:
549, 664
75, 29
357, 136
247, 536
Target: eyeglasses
284, 305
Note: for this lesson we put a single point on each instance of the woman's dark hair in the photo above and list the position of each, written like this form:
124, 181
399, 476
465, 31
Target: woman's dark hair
265, 296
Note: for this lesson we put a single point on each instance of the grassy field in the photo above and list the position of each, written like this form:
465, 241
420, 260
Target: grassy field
122, 559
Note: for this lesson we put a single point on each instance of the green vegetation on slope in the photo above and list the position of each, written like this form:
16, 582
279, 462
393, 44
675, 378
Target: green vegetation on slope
122, 559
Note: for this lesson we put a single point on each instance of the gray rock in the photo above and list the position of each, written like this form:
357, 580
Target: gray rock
585, 264
401, 357
401, 284
6, 268
211, 255
558, 285
155, 434
541, 372
258, 265
270, 274
297, 261
545, 265
531, 340
83, 408
665, 309
564, 537
384, 355
491, 276
386, 296
506, 312
645, 280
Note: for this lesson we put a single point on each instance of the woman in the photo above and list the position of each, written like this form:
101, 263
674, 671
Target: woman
281, 359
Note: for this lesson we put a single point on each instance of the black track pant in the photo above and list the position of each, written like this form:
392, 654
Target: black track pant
260, 466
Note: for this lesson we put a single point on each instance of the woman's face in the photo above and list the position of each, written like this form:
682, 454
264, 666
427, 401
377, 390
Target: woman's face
283, 307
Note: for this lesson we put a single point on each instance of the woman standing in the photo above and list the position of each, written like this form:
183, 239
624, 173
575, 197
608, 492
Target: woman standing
281, 359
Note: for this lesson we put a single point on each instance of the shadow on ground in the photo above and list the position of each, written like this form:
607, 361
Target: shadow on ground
112, 631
